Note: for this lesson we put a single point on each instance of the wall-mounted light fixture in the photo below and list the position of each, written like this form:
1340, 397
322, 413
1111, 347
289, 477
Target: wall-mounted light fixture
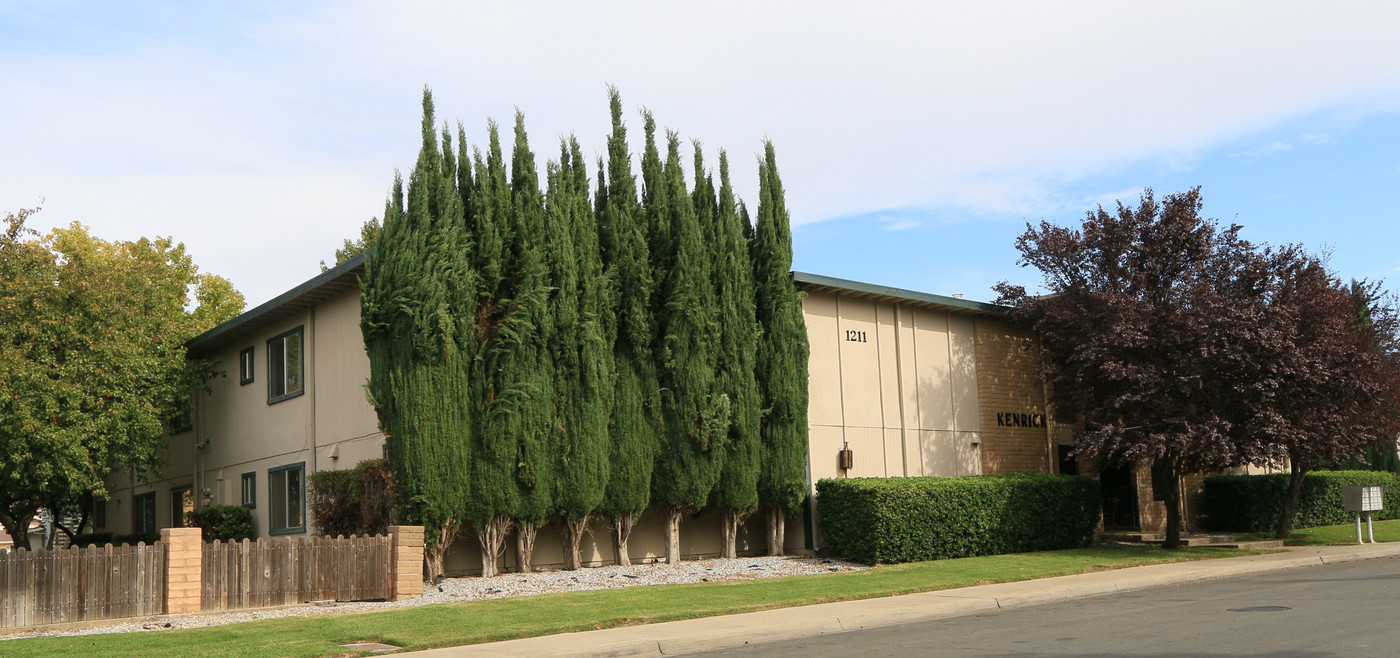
846, 457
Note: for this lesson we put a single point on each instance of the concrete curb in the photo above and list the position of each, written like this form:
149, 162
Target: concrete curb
787, 623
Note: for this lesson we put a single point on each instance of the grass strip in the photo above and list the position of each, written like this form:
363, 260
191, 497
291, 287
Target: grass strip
1335, 535
455, 624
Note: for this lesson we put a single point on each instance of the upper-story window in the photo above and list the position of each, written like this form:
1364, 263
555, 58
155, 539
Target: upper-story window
245, 366
285, 366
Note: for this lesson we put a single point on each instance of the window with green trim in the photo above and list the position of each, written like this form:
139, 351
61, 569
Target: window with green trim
286, 499
284, 366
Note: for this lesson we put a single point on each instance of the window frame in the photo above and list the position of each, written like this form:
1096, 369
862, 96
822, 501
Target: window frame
138, 526
248, 490
177, 512
272, 374
246, 364
272, 473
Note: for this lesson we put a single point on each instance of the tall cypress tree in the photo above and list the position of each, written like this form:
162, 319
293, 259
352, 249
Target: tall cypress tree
415, 281
635, 419
582, 357
781, 366
737, 492
503, 328
525, 363
694, 411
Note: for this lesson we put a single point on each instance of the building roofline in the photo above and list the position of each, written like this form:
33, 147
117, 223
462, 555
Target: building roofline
818, 282
279, 306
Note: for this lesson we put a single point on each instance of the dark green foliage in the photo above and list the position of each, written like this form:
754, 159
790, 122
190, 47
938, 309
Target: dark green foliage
781, 366
417, 302
352, 502
695, 411
581, 355
635, 421
136, 538
886, 520
224, 523
1252, 503
524, 402
737, 490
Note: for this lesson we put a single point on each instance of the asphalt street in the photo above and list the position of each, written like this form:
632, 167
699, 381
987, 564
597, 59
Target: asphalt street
1349, 609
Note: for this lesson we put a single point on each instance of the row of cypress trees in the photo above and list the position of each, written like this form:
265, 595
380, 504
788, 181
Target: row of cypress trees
565, 353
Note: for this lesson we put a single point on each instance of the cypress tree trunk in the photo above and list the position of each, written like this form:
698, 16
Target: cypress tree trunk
729, 529
525, 532
493, 537
436, 551
673, 535
573, 531
1284, 528
776, 530
621, 532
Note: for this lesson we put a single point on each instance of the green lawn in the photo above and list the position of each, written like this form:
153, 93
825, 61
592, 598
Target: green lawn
453, 624
1337, 535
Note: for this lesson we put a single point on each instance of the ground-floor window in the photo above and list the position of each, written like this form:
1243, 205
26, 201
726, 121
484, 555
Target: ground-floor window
143, 513
181, 501
249, 490
286, 498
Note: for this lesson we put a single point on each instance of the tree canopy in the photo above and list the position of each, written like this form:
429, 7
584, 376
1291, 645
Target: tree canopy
93, 359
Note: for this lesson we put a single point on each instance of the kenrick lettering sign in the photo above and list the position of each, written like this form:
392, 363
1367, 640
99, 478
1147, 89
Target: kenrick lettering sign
1020, 420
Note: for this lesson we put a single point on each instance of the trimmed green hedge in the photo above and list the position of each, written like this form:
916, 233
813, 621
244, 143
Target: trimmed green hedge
886, 520
1251, 503
222, 522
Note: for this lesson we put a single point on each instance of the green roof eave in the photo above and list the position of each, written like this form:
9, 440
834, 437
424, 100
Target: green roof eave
832, 284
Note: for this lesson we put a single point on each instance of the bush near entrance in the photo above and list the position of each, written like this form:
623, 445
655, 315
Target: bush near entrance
1251, 503
887, 520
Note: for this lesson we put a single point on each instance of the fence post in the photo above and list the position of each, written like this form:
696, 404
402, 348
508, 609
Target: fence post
406, 561
184, 569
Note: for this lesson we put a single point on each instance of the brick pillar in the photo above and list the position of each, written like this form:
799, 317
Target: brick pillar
184, 569
406, 561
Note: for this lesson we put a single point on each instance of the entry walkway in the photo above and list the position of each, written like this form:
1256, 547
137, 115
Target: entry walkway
675, 637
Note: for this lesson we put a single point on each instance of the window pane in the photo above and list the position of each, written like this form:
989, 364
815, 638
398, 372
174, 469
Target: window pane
277, 500
293, 362
276, 360
294, 498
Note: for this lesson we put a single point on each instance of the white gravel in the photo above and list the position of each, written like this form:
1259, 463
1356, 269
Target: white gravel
511, 584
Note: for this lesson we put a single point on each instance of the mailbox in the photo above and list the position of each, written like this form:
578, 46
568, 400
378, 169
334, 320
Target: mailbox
1362, 498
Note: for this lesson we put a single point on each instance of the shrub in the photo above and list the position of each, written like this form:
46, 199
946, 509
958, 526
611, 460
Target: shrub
136, 538
85, 539
1251, 503
222, 522
928, 518
358, 501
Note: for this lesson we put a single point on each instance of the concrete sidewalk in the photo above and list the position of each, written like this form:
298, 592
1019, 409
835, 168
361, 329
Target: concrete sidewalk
771, 625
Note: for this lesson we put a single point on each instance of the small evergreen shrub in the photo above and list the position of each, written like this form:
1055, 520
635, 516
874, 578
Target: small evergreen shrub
885, 520
1252, 503
224, 523
136, 538
85, 539
356, 501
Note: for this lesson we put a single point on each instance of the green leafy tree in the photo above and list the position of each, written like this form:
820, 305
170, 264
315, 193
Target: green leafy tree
416, 286
781, 364
629, 327
92, 360
369, 236
695, 411
737, 491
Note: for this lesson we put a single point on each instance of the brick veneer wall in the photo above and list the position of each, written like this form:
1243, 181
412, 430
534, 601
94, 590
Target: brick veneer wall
1007, 384
407, 560
184, 569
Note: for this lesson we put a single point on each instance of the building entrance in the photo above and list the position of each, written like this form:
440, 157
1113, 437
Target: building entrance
1118, 487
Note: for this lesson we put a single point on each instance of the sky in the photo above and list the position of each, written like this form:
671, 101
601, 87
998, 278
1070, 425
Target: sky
915, 139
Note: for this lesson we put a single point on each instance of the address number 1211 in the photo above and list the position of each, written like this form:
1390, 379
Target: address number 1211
855, 336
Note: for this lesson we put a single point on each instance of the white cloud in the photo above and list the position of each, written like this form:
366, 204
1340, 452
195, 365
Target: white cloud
282, 140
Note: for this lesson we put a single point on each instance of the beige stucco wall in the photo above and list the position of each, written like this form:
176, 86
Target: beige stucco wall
330, 426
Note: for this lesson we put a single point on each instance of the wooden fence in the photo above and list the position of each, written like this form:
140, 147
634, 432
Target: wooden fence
81, 584
295, 570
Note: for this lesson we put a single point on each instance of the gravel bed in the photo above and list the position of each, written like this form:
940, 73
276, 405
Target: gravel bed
507, 585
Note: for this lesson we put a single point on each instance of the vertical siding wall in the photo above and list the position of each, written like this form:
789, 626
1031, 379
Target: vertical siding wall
902, 391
